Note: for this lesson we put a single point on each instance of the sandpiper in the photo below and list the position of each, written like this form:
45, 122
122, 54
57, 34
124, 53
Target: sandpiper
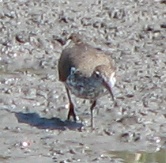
86, 72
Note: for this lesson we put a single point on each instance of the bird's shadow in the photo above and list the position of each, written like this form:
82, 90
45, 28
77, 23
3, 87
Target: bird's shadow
33, 119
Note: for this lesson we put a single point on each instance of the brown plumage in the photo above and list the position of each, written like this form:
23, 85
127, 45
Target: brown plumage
86, 72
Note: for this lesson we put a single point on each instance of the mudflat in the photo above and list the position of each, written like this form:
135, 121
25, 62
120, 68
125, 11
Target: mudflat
33, 102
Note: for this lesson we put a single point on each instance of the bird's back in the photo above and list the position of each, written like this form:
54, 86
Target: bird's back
83, 57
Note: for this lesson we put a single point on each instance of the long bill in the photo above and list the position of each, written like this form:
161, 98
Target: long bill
109, 87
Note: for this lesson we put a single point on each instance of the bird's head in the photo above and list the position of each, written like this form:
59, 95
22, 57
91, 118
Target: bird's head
107, 75
76, 38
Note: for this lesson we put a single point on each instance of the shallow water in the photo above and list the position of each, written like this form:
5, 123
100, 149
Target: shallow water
139, 157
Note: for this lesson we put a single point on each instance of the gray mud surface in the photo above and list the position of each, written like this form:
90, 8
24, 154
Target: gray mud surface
33, 103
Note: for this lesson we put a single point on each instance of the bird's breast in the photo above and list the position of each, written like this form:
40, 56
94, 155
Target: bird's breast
85, 87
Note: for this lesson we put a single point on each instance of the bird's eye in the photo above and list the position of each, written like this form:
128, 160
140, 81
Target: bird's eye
73, 70
97, 74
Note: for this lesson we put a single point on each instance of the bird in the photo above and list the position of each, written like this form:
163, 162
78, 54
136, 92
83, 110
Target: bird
87, 72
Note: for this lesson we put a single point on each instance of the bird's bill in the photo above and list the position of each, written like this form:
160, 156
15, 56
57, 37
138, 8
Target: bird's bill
109, 86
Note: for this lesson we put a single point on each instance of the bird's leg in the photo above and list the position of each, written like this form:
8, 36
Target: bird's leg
71, 107
91, 111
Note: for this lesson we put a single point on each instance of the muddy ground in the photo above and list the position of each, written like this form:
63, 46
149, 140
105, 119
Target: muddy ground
33, 103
